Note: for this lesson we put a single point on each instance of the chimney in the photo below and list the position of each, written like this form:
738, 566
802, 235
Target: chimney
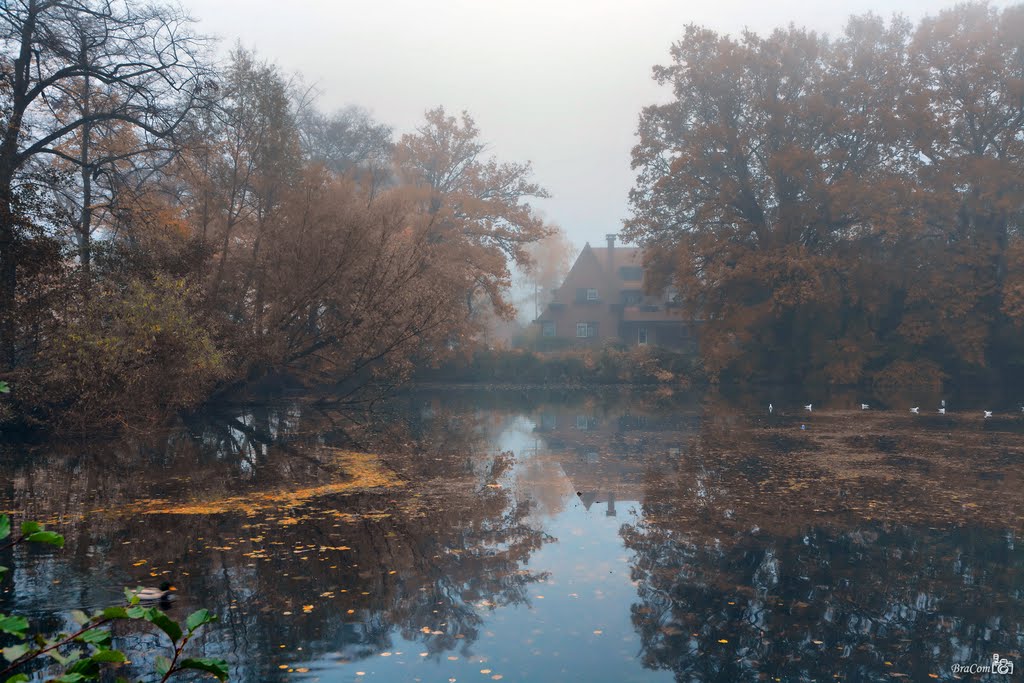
611, 250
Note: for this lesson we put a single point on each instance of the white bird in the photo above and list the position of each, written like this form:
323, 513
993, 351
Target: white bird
942, 411
988, 414
770, 408
863, 406
942, 403
915, 410
808, 407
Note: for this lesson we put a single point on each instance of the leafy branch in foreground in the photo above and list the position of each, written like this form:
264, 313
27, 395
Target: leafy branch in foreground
84, 652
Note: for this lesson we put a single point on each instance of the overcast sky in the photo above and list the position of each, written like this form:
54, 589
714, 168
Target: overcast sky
557, 82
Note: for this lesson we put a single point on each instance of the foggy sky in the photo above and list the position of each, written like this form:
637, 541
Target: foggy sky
556, 82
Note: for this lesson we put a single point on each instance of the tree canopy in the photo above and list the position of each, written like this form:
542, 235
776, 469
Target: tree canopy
842, 208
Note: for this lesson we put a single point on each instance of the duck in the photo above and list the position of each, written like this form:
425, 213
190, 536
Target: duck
155, 594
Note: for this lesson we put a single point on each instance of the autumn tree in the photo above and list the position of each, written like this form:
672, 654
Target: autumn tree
965, 118
805, 194
478, 206
349, 141
551, 257
144, 59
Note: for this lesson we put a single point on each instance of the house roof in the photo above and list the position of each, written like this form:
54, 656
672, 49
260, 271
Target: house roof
621, 256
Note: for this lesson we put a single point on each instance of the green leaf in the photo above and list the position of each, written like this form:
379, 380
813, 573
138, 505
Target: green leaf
16, 626
4, 387
115, 613
79, 617
109, 656
136, 612
48, 537
198, 618
96, 636
18, 678
30, 528
161, 665
3, 570
85, 667
15, 652
164, 623
71, 678
217, 667
5, 527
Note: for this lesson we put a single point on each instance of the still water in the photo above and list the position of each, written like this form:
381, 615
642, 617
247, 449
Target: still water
473, 536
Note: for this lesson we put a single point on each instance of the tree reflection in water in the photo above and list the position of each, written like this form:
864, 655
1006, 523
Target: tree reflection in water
320, 575
860, 552
863, 546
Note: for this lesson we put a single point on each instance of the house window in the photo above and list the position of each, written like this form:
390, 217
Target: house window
641, 336
632, 298
584, 330
631, 273
591, 294
582, 422
548, 328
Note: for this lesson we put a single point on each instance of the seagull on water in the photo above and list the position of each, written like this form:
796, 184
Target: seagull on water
988, 414
942, 411
942, 403
864, 406
770, 408
915, 410
808, 407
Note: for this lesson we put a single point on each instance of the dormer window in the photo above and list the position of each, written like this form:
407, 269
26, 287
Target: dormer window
591, 294
631, 273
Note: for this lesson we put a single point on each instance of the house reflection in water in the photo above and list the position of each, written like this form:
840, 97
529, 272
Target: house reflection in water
610, 455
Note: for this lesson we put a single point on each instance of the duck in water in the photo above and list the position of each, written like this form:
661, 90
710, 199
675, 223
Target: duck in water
161, 594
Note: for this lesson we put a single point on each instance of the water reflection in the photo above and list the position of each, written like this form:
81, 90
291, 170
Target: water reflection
570, 536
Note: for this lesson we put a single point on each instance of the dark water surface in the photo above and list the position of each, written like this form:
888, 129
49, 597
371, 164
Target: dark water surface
516, 536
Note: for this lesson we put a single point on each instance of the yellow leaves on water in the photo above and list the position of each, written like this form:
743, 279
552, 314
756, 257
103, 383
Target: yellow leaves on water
360, 471
723, 640
307, 608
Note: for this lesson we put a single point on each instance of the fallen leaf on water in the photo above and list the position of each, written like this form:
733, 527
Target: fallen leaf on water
723, 640
485, 671
302, 670
598, 632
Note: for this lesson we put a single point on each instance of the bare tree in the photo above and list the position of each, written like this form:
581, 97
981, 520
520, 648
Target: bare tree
55, 56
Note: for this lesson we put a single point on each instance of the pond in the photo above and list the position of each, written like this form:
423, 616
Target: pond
467, 535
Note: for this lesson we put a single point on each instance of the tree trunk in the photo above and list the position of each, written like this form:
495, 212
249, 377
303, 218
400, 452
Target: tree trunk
8, 276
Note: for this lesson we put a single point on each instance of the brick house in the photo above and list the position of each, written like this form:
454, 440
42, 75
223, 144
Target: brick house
602, 300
